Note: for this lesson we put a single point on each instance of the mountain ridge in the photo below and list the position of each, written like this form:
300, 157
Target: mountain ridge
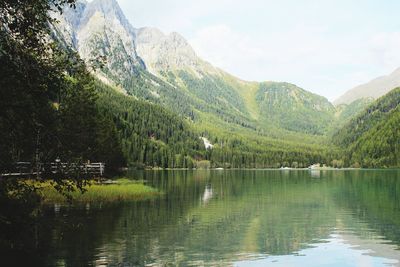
373, 89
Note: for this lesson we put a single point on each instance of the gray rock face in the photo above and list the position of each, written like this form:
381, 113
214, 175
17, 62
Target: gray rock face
69, 21
373, 89
109, 9
73, 16
104, 31
162, 52
99, 29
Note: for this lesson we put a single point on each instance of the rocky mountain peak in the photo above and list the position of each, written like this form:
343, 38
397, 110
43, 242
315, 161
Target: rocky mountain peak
178, 40
99, 30
109, 9
162, 52
73, 15
149, 35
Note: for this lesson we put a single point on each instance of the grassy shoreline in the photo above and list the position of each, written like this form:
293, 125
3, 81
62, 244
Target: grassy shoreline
121, 190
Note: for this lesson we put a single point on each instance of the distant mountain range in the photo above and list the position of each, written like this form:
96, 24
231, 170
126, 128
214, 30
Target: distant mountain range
164, 69
279, 122
372, 89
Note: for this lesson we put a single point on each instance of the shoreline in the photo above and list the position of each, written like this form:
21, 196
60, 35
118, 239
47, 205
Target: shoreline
278, 169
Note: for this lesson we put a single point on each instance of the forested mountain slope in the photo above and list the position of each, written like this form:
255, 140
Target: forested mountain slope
346, 112
372, 139
150, 135
290, 107
160, 98
164, 69
155, 98
250, 124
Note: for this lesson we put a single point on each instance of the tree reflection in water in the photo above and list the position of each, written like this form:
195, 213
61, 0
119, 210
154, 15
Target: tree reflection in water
241, 216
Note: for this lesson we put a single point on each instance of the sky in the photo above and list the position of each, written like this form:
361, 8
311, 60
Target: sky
324, 46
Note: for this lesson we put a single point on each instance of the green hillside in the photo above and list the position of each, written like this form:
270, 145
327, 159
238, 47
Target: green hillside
346, 112
289, 107
150, 135
372, 139
250, 125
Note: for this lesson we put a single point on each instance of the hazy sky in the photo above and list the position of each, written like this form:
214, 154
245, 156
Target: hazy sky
324, 46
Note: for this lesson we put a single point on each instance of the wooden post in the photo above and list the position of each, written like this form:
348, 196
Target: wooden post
37, 153
101, 169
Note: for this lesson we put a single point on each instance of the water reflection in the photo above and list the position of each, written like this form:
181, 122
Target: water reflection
315, 173
207, 195
243, 218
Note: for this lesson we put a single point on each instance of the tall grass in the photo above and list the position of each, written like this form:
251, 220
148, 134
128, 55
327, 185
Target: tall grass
122, 190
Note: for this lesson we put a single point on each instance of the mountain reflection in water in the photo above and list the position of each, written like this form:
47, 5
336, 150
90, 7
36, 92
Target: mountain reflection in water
243, 218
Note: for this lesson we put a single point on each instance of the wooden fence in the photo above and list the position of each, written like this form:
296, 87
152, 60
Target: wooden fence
27, 169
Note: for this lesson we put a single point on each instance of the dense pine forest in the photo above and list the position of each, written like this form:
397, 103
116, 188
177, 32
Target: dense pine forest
150, 135
372, 139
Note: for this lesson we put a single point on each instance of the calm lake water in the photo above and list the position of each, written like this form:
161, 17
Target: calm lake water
237, 218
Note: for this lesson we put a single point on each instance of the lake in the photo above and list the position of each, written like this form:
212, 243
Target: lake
236, 218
